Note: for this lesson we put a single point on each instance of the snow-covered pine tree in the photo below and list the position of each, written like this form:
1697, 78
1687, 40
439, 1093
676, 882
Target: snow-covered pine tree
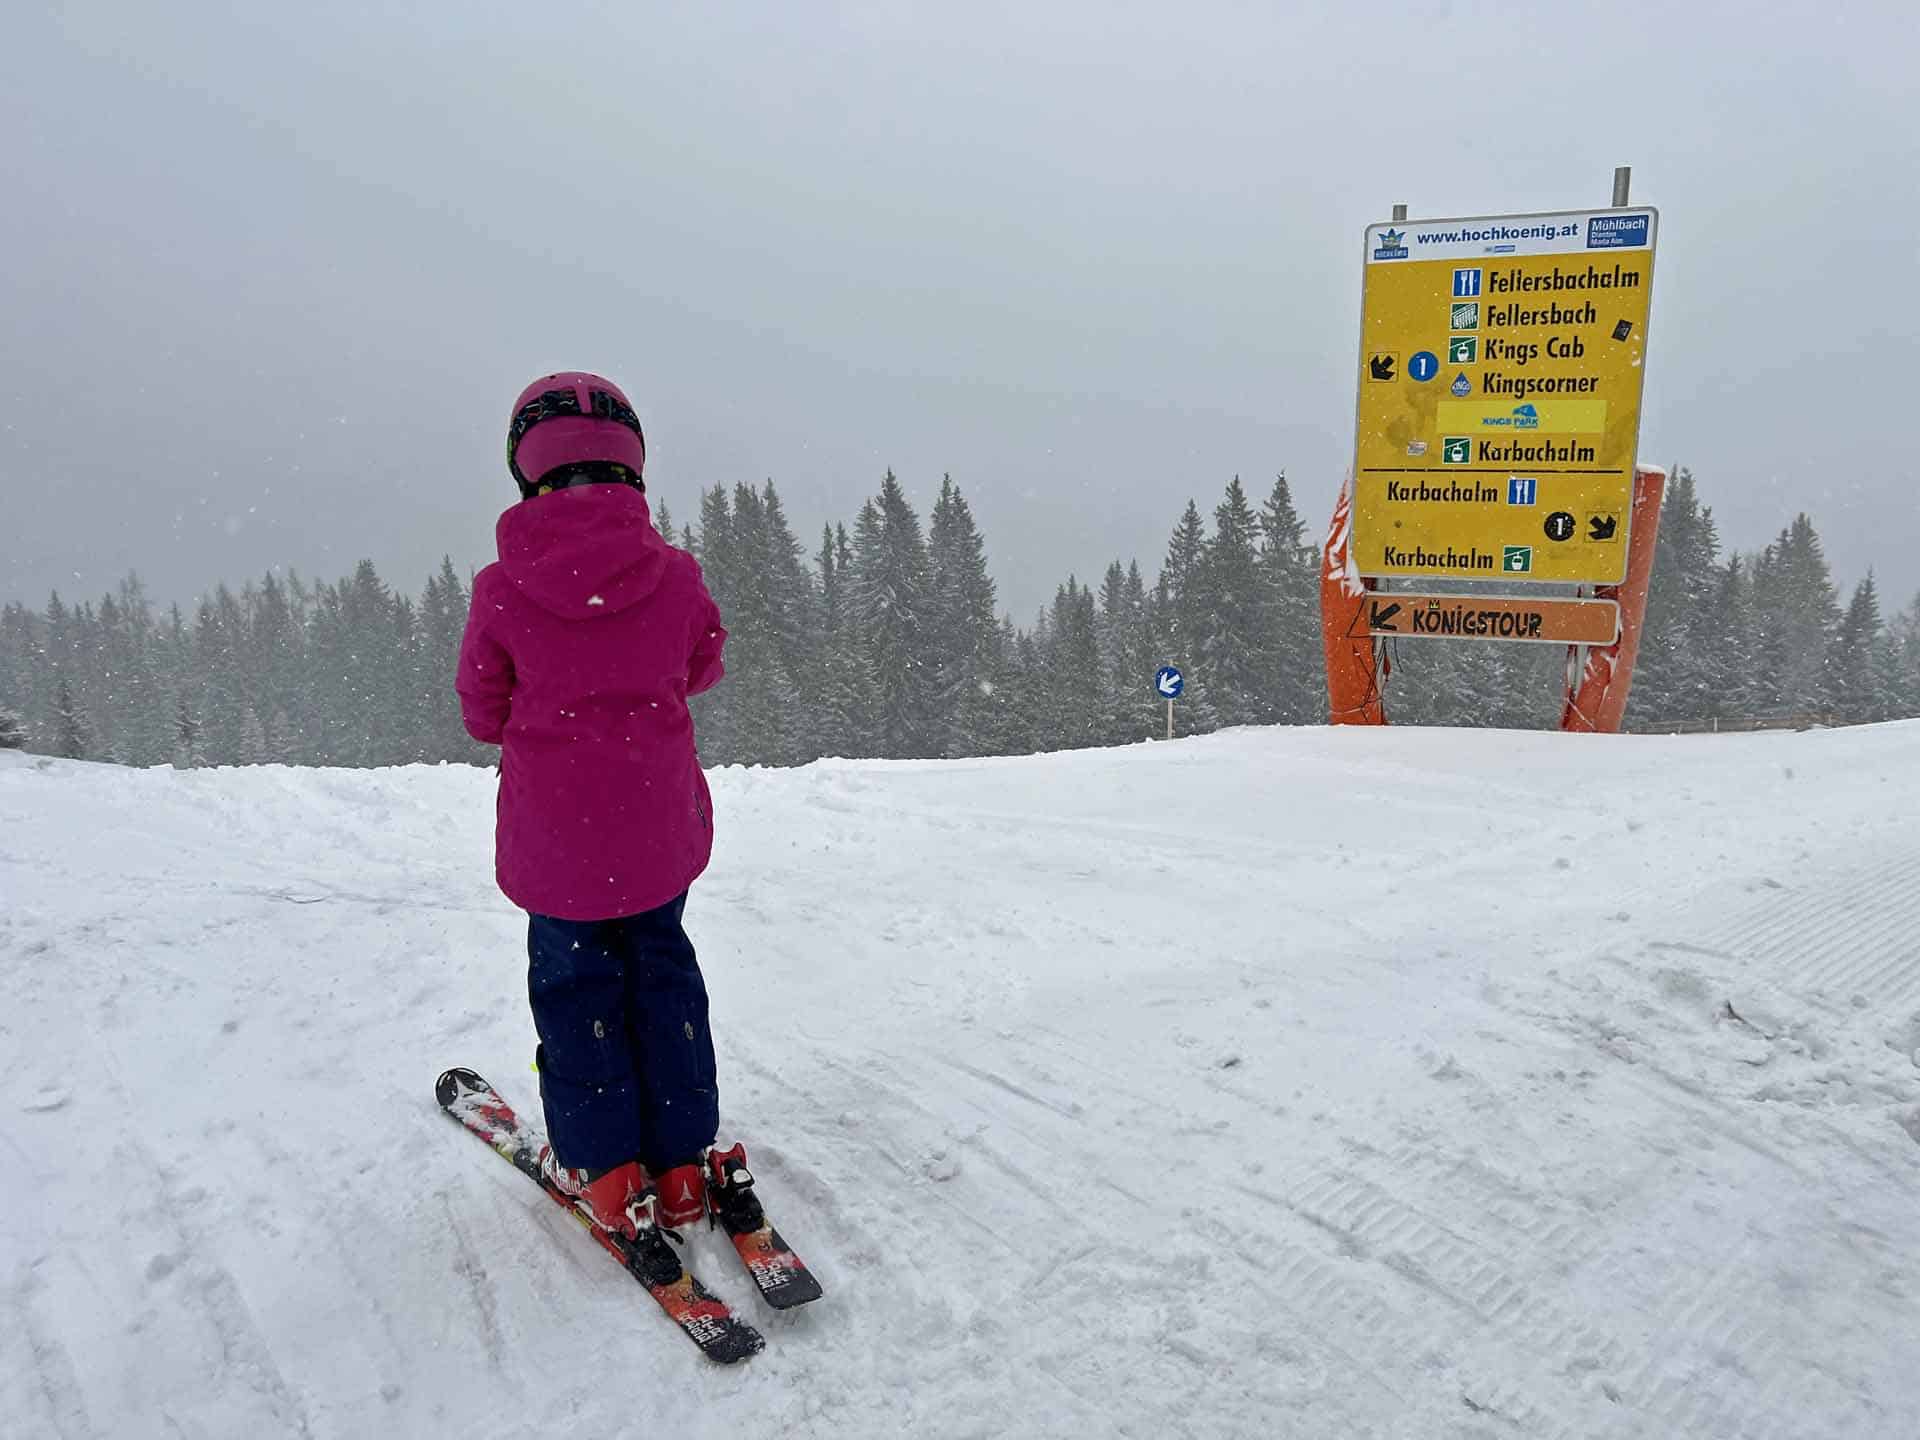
964, 633
382, 625
411, 715
793, 619
1295, 691
346, 664
255, 749
1482, 679
1073, 689
72, 737
1799, 614
889, 593
1729, 644
1115, 625
133, 686
836, 704
1009, 718
764, 701
1903, 660
1859, 671
443, 621
1144, 648
1673, 678
1030, 681
1179, 602
1181, 590
187, 728
754, 678
716, 714
1233, 615
19, 651
1891, 680
220, 675
291, 717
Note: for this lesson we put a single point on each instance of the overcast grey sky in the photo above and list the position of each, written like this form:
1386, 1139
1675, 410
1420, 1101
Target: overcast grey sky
273, 273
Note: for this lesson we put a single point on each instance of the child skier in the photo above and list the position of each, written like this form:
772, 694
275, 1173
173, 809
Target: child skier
583, 643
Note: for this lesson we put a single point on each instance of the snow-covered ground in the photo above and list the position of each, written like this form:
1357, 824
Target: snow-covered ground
1413, 1084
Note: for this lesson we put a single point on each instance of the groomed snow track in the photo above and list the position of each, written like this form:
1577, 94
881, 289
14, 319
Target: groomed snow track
1422, 1085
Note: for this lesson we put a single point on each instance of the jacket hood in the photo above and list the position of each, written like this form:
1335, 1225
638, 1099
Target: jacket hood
584, 551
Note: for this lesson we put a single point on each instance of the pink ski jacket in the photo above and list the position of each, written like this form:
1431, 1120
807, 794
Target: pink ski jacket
582, 645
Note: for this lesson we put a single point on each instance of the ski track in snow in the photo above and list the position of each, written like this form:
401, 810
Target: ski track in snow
1410, 1085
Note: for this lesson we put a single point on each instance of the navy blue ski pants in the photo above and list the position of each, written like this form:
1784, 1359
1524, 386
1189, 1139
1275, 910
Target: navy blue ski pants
626, 1055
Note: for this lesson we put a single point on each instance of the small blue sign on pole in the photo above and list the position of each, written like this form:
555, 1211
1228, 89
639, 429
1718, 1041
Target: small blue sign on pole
1168, 684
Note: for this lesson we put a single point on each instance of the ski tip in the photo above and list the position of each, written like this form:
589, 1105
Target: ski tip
801, 1289
740, 1342
451, 1082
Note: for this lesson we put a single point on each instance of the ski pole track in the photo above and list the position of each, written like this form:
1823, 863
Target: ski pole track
1062, 1145
48, 1388
1048, 1295
833, 1136
479, 1285
210, 1289
1069, 1111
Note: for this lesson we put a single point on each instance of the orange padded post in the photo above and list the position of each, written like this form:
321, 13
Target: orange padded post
1353, 694
1598, 701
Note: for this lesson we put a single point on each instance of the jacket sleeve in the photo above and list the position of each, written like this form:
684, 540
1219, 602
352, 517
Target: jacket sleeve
704, 666
485, 681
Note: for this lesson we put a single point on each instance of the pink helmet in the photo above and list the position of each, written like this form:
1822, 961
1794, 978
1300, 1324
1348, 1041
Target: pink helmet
570, 419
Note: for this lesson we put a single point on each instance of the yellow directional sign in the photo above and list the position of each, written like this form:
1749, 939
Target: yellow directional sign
1501, 362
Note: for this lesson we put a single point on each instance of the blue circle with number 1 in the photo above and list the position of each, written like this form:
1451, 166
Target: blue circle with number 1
1424, 365
1169, 682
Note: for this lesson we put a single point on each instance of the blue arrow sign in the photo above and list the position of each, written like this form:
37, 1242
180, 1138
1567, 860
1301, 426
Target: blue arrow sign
1169, 682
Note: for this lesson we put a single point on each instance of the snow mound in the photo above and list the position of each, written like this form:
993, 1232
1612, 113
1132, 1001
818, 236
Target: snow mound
1430, 1085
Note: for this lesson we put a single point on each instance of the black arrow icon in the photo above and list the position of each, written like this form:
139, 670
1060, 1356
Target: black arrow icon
1382, 617
1380, 367
1601, 527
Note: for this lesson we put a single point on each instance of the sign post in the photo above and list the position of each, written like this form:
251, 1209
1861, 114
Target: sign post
1499, 395
1497, 428
1168, 684
1496, 438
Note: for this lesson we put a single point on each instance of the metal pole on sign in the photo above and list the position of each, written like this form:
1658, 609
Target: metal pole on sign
1622, 183
1169, 719
1399, 213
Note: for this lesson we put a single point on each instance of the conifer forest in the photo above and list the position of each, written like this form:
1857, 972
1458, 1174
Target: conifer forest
885, 637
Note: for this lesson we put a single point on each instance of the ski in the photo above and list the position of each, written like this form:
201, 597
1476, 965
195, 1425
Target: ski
721, 1335
782, 1277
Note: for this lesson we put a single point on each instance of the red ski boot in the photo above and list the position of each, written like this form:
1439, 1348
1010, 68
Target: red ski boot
611, 1199
682, 1192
